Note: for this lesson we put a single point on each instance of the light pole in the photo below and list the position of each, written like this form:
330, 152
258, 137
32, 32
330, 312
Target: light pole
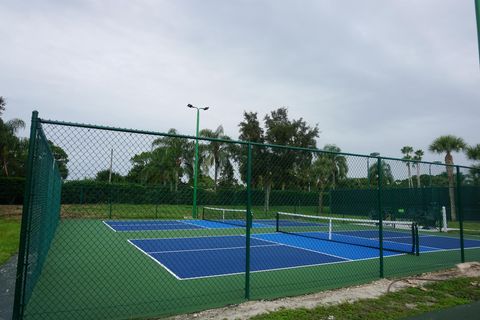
373, 154
195, 170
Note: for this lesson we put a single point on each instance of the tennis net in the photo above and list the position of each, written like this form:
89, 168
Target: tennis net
236, 217
398, 236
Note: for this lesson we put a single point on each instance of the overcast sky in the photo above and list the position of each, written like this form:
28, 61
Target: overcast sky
375, 75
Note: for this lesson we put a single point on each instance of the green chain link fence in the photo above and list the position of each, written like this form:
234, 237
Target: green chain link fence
108, 229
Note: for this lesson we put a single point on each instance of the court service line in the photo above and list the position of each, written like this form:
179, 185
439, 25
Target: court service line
311, 250
343, 260
441, 249
109, 226
213, 249
357, 237
157, 261
193, 224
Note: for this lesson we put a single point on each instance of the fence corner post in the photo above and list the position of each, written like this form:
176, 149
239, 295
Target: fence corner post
460, 214
380, 214
22, 262
249, 221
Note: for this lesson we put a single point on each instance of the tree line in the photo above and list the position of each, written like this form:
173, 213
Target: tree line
14, 149
170, 162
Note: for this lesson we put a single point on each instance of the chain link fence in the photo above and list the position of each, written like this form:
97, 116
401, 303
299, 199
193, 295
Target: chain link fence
125, 223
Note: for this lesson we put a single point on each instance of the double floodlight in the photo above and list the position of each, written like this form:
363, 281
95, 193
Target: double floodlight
193, 107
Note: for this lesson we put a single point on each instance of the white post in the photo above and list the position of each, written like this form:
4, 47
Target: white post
444, 216
330, 229
110, 169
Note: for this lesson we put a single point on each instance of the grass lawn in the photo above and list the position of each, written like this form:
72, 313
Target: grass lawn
165, 211
470, 225
404, 303
10, 234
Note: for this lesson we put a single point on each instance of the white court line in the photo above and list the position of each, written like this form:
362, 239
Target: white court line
442, 250
288, 245
357, 237
215, 236
157, 261
448, 237
344, 260
146, 224
408, 237
109, 226
193, 224
145, 221
167, 224
284, 268
213, 249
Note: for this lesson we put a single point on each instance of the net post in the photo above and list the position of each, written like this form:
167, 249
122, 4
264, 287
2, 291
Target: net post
460, 214
249, 220
277, 221
444, 220
22, 264
380, 215
417, 240
329, 229
414, 240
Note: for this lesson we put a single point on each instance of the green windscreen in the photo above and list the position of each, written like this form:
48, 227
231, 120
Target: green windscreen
43, 212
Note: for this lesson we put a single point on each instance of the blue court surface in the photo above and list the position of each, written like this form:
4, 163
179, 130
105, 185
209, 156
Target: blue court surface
151, 225
201, 257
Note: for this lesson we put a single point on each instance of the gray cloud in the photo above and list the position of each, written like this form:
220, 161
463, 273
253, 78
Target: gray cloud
375, 75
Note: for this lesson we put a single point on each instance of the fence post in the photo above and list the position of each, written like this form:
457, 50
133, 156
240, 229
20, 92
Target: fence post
249, 221
380, 214
460, 214
109, 201
22, 264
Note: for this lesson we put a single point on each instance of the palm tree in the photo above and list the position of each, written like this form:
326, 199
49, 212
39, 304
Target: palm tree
385, 170
2, 105
473, 153
321, 171
9, 141
216, 152
418, 157
173, 152
339, 164
448, 144
406, 150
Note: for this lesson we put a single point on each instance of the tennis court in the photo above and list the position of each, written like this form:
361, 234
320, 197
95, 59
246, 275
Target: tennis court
152, 225
200, 257
143, 246
294, 245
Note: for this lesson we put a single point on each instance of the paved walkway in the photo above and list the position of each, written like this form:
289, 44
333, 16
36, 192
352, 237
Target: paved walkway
7, 287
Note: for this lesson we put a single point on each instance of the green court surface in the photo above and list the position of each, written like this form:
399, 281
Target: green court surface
79, 257
92, 272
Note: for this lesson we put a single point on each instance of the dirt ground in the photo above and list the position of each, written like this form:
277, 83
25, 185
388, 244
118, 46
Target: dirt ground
10, 210
367, 291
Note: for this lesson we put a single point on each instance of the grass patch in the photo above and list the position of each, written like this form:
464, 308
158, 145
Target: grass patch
165, 211
397, 305
10, 231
